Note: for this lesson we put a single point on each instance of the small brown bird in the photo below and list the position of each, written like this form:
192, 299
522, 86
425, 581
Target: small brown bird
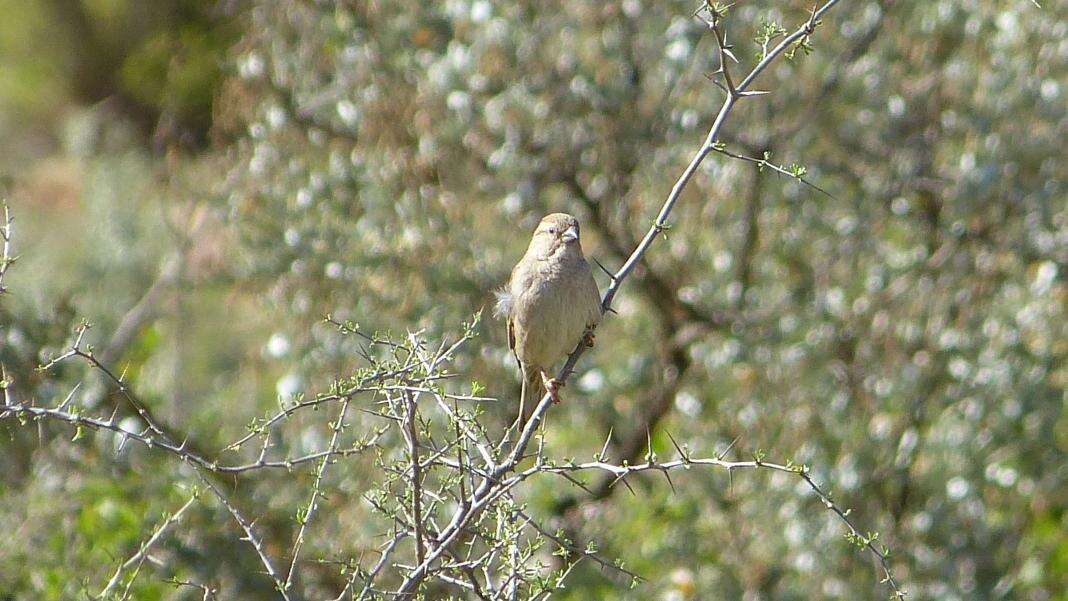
551, 303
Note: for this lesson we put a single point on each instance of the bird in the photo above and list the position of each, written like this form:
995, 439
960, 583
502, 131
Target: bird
550, 303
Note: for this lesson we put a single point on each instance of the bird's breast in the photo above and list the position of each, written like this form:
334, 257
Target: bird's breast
549, 315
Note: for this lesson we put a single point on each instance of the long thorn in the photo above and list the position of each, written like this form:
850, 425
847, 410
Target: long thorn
604, 449
729, 447
682, 455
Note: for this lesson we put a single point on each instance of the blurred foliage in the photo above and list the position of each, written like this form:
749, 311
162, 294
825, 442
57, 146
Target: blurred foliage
904, 334
158, 64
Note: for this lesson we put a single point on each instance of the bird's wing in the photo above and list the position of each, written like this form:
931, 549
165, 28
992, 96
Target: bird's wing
508, 297
522, 277
592, 299
511, 342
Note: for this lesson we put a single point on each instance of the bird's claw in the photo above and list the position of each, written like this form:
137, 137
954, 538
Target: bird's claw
588, 338
552, 386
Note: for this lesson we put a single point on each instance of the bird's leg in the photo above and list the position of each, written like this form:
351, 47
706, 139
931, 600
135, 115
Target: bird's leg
552, 386
588, 337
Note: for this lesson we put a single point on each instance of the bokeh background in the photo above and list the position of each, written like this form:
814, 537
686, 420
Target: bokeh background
205, 181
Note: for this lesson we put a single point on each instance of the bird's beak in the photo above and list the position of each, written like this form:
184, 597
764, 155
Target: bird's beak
571, 234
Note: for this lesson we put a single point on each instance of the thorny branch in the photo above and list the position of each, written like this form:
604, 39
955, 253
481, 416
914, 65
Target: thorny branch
686, 462
306, 515
139, 557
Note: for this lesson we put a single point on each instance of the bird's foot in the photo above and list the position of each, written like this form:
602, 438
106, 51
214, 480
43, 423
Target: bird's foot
588, 338
552, 386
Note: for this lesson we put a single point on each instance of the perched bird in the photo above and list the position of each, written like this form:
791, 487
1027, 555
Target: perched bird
551, 303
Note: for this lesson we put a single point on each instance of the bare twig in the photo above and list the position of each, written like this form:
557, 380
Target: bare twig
142, 551
6, 260
411, 418
307, 515
249, 537
180, 450
207, 592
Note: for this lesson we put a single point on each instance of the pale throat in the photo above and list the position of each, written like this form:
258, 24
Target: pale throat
561, 251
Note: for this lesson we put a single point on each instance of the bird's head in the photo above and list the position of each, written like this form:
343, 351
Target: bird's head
558, 232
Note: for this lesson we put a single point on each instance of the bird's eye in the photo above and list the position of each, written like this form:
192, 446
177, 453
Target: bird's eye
552, 230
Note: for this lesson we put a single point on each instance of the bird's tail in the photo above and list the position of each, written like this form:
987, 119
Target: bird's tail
533, 390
